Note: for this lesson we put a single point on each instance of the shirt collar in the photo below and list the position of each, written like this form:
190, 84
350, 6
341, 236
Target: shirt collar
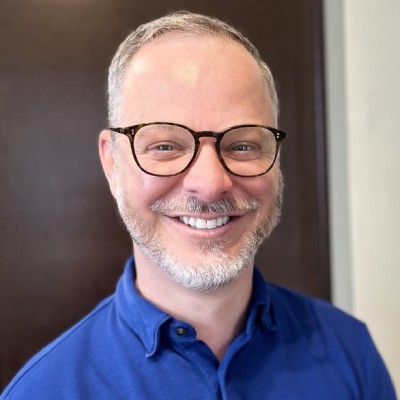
142, 317
146, 320
260, 307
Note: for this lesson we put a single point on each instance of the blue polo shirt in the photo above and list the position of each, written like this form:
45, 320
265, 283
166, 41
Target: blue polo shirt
292, 347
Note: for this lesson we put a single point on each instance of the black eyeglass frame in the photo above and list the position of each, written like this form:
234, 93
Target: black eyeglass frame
130, 132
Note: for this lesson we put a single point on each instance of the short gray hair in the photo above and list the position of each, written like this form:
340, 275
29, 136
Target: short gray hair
180, 22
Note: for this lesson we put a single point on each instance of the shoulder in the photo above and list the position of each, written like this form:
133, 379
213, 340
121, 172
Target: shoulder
303, 316
65, 354
334, 336
305, 310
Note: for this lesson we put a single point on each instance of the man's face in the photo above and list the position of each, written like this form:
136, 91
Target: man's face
205, 84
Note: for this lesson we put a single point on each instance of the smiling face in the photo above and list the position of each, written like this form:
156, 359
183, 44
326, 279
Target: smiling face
203, 226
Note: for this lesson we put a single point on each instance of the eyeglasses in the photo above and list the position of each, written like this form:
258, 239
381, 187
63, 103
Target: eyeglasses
168, 149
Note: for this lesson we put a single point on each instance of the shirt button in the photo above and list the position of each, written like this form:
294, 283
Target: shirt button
181, 331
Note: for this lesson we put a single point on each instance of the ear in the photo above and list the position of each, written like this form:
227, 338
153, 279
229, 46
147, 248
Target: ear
107, 158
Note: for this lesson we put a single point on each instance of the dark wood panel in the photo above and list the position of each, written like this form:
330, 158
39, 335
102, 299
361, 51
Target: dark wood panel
62, 246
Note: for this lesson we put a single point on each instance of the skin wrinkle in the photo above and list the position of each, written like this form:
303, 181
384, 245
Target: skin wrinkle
193, 258
210, 268
216, 269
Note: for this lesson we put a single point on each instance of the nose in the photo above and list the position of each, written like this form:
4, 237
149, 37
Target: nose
207, 178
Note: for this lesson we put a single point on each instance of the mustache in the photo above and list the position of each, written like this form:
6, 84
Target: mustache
193, 205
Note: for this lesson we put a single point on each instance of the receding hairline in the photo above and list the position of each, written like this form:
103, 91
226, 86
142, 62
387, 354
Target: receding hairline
181, 24
178, 36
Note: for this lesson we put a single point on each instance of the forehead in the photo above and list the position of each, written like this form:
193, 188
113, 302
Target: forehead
192, 72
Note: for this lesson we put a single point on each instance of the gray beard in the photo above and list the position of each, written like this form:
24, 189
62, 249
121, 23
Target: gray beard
212, 268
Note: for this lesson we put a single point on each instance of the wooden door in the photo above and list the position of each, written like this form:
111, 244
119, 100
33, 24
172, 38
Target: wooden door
62, 246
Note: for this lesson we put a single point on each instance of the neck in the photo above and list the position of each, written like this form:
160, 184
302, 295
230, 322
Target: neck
218, 316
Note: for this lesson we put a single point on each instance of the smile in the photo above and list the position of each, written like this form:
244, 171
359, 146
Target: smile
199, 223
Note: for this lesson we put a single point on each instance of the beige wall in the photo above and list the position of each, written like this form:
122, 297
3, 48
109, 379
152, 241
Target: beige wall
363, 93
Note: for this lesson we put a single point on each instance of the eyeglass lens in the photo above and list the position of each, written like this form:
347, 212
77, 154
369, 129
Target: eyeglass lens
169, 149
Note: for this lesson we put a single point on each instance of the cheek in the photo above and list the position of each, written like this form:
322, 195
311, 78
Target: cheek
145, 189
264, 188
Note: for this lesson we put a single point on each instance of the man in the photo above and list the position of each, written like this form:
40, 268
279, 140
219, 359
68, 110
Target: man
192, 160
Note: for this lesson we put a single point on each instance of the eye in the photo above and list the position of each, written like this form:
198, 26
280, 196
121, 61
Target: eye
242, 147
163, 151
163, 147
241, 151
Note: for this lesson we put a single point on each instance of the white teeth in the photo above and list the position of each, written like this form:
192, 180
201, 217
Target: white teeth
211, 224
199, 223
